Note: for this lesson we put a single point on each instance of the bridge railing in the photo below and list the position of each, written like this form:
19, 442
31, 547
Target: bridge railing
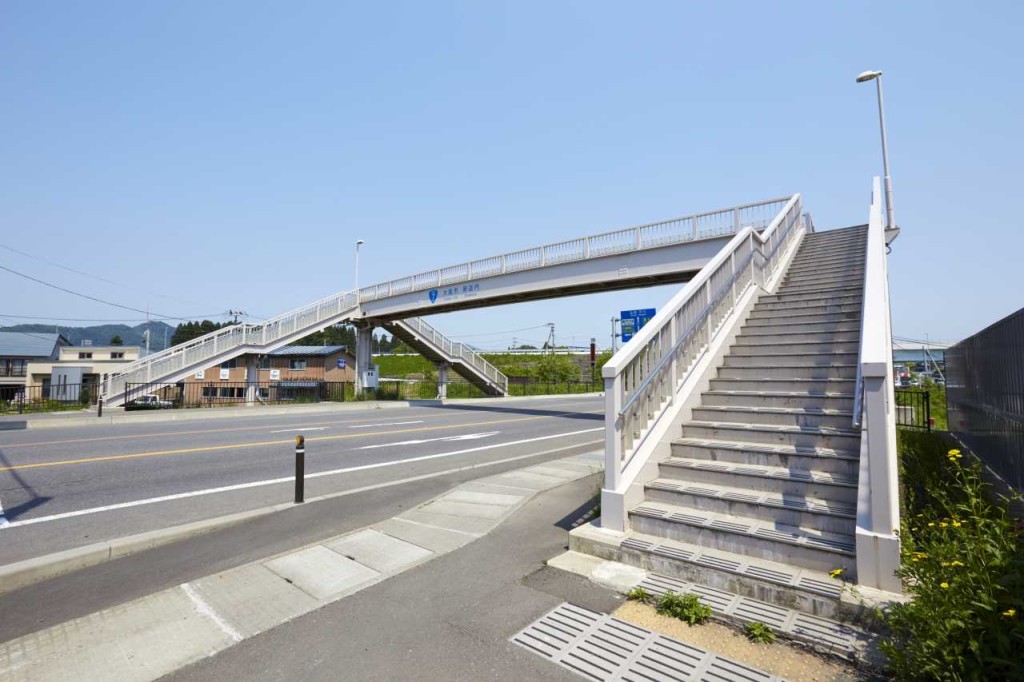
678, 230
874, 412
176, 358
459, 350
642, 379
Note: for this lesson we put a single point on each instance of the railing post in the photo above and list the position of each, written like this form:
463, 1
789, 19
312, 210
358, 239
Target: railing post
638, 239
694, 227
736, 220
707, 312
612, 432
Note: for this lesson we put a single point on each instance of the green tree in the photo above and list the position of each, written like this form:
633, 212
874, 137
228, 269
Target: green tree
116, 340
186, 331
557, 368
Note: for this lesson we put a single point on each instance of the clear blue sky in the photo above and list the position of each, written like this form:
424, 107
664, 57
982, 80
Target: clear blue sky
215, 155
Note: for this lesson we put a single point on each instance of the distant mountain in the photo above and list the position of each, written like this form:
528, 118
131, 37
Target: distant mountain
101, 334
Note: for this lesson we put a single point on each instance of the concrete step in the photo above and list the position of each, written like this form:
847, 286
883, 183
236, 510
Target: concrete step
842, 402
800, 436
782, 416
795, 483
792, 545
789, 359
843, 304
780, 371
823, 280
836, 250
809, 328
790, 316
842, 462
754, 337
834, 268
791, 384
856, 293
768, 506
838, 290
773, 348
720, 574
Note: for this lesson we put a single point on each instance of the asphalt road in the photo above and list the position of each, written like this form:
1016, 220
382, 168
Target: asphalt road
63, 488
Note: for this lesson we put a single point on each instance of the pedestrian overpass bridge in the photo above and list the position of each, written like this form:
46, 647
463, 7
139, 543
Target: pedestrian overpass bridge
657, 253
750, 444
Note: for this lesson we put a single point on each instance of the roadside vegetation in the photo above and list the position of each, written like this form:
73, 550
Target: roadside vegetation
963, 564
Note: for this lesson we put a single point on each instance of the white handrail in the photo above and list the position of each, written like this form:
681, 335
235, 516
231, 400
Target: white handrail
642, 378
877, 489
459, 350
649, 236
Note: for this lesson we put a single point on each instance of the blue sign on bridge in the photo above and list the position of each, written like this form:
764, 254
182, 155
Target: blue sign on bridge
633, 321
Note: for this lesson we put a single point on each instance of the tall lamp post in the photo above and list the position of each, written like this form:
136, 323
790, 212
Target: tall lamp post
877, 77
359, 242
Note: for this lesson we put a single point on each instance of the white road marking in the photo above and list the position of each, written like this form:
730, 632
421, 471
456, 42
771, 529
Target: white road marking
370, 426
3, 518
206, 610
307, 428
468, 436
287, 479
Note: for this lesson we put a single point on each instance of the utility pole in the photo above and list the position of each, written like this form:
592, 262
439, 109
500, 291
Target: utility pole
236, 313
614, 335
551, 337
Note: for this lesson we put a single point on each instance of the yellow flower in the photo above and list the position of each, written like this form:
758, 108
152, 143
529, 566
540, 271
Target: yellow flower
931, 524
835, 572
957, 524
943, 524
945, 564
1010, 613
956, 563
954, 453
944, 586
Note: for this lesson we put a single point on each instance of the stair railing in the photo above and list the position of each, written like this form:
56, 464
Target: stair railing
878, 517
642, 378
458, 350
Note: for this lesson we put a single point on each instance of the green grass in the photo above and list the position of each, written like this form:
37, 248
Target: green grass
759, 633
685, 607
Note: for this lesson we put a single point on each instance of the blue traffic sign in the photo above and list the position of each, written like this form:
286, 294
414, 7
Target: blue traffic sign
341, 363
633, 321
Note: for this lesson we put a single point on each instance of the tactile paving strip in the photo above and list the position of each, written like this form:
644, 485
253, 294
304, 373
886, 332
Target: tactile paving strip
599, 647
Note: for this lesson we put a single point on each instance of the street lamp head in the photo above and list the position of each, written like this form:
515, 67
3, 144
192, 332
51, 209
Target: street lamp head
359, 242
868, 76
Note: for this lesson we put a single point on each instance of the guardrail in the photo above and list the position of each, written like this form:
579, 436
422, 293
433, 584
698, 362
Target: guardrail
878, 516
643, 377
677, 230
456, 349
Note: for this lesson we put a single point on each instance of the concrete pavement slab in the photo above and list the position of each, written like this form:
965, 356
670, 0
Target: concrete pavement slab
252, 598
556, 472
465, 509
464, 524
480, 497
525, 479
140, 640
439, 540
379, 551
321, 572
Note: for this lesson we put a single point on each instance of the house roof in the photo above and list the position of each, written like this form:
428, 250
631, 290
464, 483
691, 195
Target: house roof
308, 350
29, 344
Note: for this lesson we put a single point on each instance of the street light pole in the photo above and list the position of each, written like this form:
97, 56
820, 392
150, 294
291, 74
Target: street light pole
359, 242
877, 77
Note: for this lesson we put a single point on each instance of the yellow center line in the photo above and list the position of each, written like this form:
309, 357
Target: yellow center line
256, 444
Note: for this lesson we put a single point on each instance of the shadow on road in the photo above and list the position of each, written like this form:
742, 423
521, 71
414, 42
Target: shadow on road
34, 500
523, 410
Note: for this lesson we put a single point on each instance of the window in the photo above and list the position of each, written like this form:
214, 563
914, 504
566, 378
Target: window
264, 362
85, 356
229, 364
117, 355
297, 363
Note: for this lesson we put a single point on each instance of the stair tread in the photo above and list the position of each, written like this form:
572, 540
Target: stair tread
814, 505
769, 448
763, 471
819, 411
740, 564
777, 394
775, 428
838, 543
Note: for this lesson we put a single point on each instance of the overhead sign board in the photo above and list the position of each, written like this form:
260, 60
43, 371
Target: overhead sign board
633, 321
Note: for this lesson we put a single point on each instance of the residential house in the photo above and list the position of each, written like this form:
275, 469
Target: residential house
17, 351
76, 366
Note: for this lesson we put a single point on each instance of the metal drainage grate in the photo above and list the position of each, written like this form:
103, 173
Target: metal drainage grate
600, 647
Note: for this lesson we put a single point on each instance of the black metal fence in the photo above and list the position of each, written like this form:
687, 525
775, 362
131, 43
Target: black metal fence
913, 409
197, 394
46, 398
985, 395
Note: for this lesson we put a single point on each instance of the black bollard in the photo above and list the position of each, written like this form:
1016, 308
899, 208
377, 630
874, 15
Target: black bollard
300, 469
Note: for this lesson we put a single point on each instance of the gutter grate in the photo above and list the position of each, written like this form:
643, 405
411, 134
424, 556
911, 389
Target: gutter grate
611, 649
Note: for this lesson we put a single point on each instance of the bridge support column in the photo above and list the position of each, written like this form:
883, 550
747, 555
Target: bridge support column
364, 353
442, 380
252, 377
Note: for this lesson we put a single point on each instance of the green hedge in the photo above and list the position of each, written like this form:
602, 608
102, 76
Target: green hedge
963, 564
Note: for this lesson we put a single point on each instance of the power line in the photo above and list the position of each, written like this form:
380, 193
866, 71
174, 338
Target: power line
91, 298
71, 319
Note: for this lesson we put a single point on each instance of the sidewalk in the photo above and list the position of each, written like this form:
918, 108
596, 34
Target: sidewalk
162, 632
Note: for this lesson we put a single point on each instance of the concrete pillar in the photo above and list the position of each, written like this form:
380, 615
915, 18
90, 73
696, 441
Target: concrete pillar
442, 380
364, 352
252, 377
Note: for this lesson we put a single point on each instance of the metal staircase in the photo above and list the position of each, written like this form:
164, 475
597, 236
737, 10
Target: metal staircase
436, 347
